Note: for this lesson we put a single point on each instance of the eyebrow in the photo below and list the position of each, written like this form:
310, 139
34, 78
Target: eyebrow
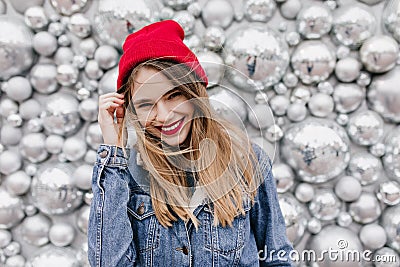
144, 100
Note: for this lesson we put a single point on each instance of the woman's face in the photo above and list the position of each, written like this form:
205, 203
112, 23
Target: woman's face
160, 107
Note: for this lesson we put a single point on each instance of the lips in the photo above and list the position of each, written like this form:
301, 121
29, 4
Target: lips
171, 131
169, 125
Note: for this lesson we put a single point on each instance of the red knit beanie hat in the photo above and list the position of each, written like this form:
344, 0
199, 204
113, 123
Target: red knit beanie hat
162, 39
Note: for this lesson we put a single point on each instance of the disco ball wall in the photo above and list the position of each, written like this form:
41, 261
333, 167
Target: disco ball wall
321, 78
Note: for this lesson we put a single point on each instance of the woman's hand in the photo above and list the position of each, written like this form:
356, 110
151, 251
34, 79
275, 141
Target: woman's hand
108, 104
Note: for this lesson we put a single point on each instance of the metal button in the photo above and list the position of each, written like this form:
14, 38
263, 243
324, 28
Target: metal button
140, 209
184, 250
103, 153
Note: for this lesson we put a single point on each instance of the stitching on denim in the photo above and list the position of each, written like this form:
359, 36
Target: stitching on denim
213, 238
138, 217
99, 215
117, 164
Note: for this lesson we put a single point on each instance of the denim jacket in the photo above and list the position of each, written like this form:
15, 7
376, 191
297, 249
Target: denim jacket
124, 231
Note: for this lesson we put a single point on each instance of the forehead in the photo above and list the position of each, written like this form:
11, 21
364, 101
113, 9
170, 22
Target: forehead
150, 84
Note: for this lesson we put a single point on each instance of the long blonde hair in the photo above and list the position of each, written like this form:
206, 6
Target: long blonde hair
223, 165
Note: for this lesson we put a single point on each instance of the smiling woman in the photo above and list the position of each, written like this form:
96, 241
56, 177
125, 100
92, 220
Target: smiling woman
196, 169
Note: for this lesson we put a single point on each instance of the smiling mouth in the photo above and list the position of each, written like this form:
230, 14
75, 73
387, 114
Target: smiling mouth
172, 128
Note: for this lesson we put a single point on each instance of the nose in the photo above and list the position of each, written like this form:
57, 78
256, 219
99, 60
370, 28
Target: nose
162, 112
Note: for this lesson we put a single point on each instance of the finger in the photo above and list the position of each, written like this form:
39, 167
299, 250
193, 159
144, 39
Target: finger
108, 95
106, 117
111, 94
109, 106
112, 99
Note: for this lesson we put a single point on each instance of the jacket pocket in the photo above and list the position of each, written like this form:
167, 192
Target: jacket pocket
226, 240
145, 227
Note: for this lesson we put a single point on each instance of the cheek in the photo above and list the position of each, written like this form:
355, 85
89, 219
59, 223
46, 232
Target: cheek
186, 108
144, 118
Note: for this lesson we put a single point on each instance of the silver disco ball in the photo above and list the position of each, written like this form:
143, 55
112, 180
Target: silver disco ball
16, 53
11, 209
295, 219
116, 19
314, 21
53, 256
391, 18
53, 189
365, 167
35, 229
383, 95
366, 209
325, 205
108, 81
353, 24
379, 53
391, 159
213, 65
348, 97
32, 147
61, 115
68, 7
313, 61
284, 177
22, 5
365, 128
318, 149
390, 221
229, 105
256, 57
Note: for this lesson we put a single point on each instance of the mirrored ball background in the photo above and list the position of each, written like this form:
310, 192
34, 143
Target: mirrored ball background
316, 83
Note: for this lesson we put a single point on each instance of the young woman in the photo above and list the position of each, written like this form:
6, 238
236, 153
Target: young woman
193, 190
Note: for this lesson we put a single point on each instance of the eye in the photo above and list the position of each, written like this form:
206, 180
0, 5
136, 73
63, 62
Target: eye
144, 105
174, 94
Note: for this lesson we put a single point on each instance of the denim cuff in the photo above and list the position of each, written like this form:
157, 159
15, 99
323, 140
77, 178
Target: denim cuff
112, 155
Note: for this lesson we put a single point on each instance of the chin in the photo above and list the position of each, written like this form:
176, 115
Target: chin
174, 142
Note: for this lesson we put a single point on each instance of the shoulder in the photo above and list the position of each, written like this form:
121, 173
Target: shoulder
261, 154
257, 149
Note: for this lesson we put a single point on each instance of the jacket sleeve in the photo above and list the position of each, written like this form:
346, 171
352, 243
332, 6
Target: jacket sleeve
109, 231
267, 220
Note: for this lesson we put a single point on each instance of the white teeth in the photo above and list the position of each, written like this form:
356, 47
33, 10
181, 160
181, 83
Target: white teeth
166, 129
